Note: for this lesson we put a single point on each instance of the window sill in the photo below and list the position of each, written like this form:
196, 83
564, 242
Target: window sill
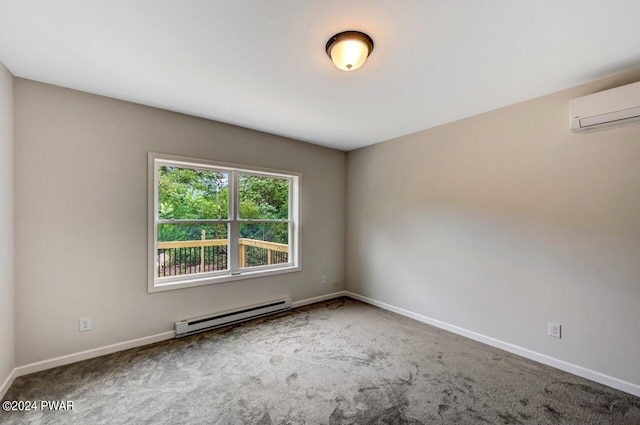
211, 280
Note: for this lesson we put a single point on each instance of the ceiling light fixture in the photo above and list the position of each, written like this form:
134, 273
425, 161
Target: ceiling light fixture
349, 50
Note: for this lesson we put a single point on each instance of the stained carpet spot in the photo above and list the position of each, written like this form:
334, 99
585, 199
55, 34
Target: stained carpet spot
552, 411
291, 379
265, 419
524, 415
276, 360
255, 380
368, 389
508, 418
394, 416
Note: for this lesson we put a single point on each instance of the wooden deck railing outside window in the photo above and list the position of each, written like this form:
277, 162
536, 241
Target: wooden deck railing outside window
199, 256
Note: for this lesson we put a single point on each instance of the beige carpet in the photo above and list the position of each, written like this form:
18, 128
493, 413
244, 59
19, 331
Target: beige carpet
339, 362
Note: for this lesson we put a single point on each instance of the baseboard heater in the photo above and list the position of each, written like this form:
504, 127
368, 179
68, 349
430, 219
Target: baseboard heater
205, 323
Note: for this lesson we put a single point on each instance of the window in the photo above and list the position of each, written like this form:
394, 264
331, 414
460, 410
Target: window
213, 222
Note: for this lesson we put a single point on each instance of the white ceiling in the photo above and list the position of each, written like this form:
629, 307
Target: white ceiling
262, 64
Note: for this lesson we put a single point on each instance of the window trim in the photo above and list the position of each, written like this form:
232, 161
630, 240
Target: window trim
234, 272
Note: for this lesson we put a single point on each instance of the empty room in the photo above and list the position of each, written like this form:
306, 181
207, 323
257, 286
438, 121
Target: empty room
320, 212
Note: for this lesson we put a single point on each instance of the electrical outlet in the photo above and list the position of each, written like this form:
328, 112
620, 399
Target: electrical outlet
323, 280
85, 324
555, 329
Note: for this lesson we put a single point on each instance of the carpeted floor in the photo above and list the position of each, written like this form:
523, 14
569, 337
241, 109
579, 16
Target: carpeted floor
340, 362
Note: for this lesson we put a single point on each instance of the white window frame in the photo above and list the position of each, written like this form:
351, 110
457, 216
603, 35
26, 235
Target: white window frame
234, 271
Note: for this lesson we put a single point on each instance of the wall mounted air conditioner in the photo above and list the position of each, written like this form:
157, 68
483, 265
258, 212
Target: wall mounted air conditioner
606, 108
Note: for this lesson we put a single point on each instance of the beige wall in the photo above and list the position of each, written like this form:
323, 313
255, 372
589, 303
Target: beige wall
7, 297
81, 218
502, 222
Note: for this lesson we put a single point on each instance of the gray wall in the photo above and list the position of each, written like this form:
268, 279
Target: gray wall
7, 297
81, 218
504, 221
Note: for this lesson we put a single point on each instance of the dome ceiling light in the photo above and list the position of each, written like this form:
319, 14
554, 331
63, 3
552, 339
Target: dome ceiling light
349, 50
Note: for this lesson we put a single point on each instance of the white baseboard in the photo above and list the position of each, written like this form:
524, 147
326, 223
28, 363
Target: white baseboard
610, 381
7, 383
82, 355
318, 299
120, 346
583, 372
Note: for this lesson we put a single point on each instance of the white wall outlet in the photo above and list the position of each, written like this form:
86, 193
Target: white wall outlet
555, 329
323, 280
85, 324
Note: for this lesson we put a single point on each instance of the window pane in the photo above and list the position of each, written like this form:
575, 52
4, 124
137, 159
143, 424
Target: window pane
264, 198
263, 244
188, 194
185, 249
